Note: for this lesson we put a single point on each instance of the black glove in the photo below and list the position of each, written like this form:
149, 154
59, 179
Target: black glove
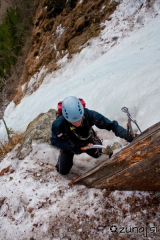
129, 137
76, 149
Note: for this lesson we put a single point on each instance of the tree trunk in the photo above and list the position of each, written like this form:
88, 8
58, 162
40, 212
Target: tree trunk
7, 130
136, 167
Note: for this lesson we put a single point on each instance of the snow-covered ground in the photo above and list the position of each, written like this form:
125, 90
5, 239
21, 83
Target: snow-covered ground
119, 68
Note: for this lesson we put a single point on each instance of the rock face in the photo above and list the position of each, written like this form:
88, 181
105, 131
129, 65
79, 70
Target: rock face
40, 130
61, 27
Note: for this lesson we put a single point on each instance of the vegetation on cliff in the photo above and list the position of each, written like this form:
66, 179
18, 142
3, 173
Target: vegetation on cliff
15, 30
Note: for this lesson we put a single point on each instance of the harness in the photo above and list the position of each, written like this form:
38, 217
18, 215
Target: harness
84, 133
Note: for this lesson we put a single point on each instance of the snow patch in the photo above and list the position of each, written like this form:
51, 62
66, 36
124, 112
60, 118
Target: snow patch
60, 30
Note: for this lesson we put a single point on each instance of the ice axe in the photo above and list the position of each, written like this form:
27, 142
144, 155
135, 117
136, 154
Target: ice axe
108, 149
130, 119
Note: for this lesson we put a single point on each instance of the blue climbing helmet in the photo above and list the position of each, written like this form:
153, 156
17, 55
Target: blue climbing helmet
72, 109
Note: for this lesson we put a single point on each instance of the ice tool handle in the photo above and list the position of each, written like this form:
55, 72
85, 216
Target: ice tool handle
90, 146
130, 119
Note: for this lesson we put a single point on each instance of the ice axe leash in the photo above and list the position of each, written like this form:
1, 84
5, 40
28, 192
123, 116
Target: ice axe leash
130, 120
108, 149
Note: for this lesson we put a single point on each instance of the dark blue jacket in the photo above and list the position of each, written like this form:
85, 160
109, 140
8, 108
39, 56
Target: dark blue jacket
63, 137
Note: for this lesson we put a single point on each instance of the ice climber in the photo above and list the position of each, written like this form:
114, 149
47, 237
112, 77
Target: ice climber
73, 129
